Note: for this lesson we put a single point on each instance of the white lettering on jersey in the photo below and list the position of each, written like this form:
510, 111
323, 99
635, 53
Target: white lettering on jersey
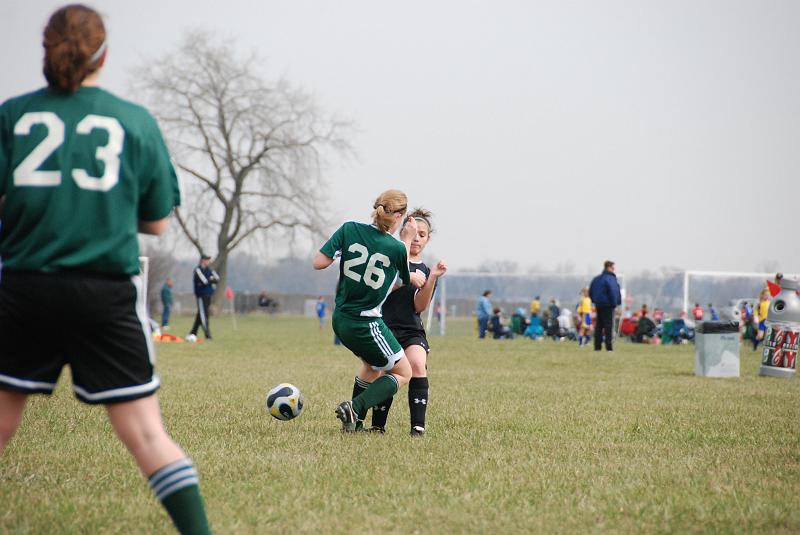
27, 173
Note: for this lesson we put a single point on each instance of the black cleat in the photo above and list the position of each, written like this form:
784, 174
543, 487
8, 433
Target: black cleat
417, 431
345, 412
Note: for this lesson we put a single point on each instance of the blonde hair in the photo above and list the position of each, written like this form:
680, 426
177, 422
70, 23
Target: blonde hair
387, 204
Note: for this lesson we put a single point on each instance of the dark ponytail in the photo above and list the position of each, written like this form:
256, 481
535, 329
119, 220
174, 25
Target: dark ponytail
74, 46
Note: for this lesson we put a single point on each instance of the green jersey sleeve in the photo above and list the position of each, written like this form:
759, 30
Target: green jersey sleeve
159, 192
402, 264
334, 244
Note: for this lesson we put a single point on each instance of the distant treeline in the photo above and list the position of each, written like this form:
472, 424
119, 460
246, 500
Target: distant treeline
248, 274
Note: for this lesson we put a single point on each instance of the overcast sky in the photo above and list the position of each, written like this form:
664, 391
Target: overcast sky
654, 133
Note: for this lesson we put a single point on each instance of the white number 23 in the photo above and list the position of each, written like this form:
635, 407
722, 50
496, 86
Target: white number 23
27, 173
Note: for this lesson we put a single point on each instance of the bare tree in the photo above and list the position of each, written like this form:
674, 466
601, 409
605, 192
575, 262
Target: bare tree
251, 152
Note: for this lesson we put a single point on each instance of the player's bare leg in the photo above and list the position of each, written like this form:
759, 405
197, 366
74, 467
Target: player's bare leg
139, 426
172, 476
12, 406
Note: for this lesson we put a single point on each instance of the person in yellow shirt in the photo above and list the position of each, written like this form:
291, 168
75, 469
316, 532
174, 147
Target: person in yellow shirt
760, 314
536, 305
584, 318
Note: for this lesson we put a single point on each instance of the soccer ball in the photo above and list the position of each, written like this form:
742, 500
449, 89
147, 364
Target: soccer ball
285, 401
191, 338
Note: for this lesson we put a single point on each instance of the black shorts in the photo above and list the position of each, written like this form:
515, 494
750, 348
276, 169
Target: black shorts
97, 324
408, 337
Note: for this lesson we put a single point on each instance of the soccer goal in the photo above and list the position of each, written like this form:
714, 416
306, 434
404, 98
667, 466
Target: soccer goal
722, 287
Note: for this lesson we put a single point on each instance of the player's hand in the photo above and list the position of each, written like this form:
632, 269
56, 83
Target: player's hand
409, 230
439, 269
418, 279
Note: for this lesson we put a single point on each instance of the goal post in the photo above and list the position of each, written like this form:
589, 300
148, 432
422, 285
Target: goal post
748, 286
144, 270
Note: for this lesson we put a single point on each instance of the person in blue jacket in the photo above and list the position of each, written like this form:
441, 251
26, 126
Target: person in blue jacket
205, 282
606, 296
484, 312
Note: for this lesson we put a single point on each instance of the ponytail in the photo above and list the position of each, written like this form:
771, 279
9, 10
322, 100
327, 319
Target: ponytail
389, 202
74, 44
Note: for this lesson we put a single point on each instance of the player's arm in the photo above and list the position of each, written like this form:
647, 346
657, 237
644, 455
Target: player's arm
159, 192
321, 261
156, 228
332, 248
407, 234
423, 297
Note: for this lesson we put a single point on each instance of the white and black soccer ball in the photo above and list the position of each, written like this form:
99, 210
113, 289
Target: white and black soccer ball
285, 401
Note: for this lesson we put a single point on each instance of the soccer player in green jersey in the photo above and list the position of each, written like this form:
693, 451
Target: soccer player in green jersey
372, 263
81, 171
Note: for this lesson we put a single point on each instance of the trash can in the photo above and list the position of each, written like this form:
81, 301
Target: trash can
716, 349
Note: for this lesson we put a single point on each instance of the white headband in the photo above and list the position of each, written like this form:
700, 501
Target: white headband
100, 51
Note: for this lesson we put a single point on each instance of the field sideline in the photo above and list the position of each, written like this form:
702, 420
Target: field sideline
523, 437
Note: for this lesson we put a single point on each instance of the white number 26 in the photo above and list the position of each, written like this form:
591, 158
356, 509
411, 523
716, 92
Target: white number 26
27, 173
373, 275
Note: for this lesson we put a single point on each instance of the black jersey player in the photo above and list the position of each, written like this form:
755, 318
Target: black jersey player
402, 315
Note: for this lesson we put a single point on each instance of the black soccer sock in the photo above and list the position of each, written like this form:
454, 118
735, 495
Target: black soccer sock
380, 413
418, 400
178, 488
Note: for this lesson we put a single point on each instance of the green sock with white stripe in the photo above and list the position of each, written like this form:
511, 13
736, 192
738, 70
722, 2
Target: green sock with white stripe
178, 488
382, 388
359, 385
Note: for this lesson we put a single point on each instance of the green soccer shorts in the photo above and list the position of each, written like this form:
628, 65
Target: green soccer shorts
369, 339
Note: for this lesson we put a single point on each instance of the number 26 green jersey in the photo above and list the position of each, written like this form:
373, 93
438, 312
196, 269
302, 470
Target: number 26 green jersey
371, 263
78, 172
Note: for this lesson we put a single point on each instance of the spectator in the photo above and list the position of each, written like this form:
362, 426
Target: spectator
321, 312
698, 312
605, 294
749, 331
518, 321
713, 312
645, 329
584, 318
536, 305
534, 330
554, 309
566, 327
499, 330
484, 312
166, 302
658, 316
760, 317
205, 282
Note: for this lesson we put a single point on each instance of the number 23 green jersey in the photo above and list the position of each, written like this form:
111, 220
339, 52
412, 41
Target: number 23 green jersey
78, 172
371, 263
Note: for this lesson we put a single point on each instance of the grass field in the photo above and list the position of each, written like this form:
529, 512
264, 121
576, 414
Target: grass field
523, 437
